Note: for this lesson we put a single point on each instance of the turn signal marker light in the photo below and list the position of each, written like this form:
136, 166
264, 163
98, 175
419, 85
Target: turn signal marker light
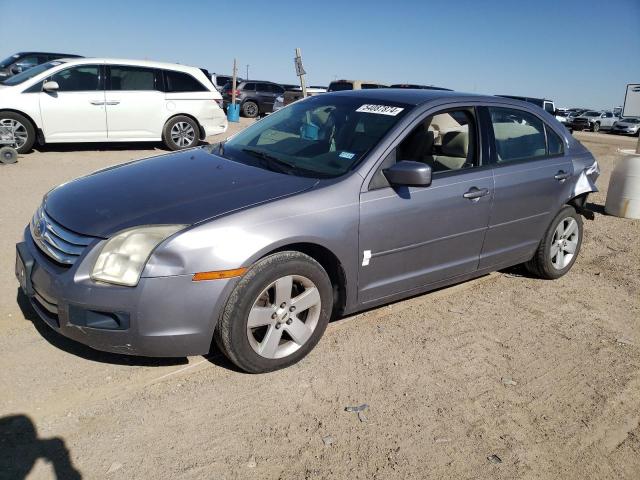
218, 275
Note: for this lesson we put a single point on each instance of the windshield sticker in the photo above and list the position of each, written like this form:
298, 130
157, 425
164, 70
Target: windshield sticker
347, 155
380, 109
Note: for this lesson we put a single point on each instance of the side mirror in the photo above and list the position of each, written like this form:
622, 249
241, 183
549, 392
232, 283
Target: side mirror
16, 69
50, 86
409, 173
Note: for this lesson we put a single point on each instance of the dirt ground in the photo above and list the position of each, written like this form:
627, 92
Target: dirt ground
502, 377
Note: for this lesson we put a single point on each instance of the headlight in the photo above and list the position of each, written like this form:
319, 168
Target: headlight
124, 256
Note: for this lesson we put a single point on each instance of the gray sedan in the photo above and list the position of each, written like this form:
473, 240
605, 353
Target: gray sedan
332, 205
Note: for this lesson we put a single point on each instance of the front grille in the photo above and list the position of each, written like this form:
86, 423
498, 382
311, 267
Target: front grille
57, 242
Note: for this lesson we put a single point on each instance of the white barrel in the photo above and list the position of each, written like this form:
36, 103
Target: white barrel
623, 195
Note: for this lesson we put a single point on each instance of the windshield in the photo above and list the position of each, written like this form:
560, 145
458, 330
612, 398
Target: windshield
339, 86
591, 113
8, 61
32, 72
631, 120
322, 137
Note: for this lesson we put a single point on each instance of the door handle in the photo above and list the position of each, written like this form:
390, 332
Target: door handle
474, 193
96, 102
113, 102
561, 176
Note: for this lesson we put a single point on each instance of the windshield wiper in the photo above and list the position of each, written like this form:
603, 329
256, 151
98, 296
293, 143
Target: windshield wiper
272, 162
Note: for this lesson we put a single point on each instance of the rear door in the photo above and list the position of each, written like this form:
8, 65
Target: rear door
134, 103
411, 237
530, 171
76, 112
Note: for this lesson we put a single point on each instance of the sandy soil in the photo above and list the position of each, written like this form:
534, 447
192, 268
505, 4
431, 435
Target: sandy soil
502, 377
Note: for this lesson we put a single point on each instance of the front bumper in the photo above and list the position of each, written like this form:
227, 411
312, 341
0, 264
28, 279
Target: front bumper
160, 317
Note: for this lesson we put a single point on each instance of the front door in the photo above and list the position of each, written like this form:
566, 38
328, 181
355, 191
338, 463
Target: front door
76, 112
411, 237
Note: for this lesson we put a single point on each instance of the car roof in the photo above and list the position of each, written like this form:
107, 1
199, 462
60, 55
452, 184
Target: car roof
419, 96
127, 61
69, 55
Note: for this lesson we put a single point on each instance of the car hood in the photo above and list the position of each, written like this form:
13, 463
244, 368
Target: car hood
180, 188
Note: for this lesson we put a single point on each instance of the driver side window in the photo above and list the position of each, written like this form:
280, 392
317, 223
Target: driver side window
446, 141
84, 78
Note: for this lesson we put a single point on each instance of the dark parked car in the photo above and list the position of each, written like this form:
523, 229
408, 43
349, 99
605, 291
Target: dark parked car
418, 87
332, 205
255, 97
22, 61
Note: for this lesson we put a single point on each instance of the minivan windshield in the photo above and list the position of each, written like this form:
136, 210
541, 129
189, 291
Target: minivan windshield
591, 113
322, 137
32, 72
339, 86
9, 60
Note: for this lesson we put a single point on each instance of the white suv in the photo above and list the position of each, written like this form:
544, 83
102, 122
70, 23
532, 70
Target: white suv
107, 100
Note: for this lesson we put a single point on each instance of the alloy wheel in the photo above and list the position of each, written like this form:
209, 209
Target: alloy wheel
183, 134
564, 243
284, 316
14, 131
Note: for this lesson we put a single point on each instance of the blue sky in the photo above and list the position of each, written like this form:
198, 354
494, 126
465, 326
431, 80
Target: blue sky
579, 53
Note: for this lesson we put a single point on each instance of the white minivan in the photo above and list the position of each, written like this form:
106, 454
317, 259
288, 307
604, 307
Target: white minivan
109, 100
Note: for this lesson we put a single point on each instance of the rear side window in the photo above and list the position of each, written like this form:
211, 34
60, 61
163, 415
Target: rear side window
182, 82
132, 78
519, 135
554, 142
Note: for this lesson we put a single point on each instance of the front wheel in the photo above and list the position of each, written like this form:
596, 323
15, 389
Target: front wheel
276, 313
560, 246
181, 132
18, 130
596, 127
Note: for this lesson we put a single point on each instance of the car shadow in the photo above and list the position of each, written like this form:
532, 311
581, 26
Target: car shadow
20, 449
75, 348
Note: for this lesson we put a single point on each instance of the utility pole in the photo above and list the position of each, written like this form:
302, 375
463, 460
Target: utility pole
247, 72
300, 71
233, 82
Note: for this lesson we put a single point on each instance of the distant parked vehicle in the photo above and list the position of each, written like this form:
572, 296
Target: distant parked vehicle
291, 96
22, 61
221, 80
106, 100
594, 121
340, 85
627, 126
255, 97
546, 104
418, 87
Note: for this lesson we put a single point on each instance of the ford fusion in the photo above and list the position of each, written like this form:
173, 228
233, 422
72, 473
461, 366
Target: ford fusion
334, 204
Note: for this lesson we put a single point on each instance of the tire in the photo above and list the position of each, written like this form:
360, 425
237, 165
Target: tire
8, 155
596, 127
23, 127
271, 343
563, 236
250, 109
181, 132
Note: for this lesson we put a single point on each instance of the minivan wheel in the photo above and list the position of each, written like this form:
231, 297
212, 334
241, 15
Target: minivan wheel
250, 109
181, 132
596, 127
23, 130
560, 246
276, 313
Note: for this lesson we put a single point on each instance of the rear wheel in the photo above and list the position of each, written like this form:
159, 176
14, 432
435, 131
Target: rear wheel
181, 132
250, 109
560, 246
277, 313
17, 129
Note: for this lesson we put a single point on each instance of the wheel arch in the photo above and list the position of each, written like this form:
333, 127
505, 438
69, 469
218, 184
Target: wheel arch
331, 264
202, 135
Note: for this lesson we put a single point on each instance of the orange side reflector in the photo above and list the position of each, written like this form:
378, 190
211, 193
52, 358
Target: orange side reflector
236, 272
